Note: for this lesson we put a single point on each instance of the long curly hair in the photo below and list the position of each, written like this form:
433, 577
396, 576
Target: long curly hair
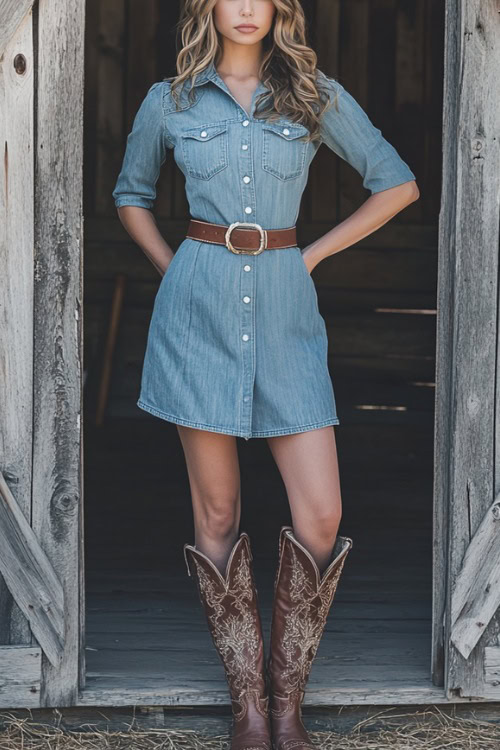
297, 89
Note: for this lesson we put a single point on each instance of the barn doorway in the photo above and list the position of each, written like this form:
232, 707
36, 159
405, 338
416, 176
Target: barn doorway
146, 641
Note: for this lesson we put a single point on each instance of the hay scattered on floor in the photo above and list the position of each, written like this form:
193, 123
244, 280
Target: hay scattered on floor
426, 730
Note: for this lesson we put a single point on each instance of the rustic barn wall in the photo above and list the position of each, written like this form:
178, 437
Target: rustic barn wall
41, 238
378, 297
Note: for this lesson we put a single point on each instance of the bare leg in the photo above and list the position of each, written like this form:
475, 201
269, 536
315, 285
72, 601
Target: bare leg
308, 465
214, 479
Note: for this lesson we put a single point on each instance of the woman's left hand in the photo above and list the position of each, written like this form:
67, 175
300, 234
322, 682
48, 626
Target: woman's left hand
308, 259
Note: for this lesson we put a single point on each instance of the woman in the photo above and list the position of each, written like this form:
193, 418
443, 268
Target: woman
236, 344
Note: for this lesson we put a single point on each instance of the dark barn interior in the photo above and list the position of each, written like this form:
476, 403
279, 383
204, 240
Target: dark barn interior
146, 640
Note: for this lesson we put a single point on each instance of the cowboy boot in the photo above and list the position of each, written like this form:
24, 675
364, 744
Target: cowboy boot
234, 622
302, 600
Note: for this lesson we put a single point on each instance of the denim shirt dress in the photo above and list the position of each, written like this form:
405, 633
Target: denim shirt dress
236, 342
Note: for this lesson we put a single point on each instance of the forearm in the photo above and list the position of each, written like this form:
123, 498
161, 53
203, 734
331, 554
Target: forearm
377, 210
141, 225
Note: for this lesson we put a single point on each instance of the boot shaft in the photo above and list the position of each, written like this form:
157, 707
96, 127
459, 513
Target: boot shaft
302, 600
231, 608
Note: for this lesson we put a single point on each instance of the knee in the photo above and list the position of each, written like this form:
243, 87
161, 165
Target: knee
326, 526
219, 518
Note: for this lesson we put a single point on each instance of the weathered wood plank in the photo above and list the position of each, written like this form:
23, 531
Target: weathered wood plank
12, 13
411, 113
30, 576
20, 676
322, 203
16, 288
468, 321
354, 42
492, 672
430, 166
110, 102
476, 596
57, 475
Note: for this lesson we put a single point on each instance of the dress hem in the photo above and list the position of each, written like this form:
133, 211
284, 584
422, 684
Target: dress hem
228, 430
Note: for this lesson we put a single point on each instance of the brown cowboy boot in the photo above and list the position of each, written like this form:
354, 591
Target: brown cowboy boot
234, 622
302, 600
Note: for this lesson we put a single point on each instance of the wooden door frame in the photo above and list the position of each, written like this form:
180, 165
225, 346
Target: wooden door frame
465, 446
467, 322
41, 212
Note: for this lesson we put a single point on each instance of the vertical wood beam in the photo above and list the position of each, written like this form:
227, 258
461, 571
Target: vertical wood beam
57, 428
16, 289
467, 320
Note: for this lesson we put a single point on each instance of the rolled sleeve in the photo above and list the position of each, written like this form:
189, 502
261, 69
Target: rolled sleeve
349, 132
145, 152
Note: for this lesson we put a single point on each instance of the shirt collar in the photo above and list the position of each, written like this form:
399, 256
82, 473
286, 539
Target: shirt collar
207, 74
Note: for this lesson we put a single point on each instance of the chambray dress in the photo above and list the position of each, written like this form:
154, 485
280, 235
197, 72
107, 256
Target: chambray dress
236, 343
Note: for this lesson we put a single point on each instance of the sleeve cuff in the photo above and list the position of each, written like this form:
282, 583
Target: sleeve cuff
133, 200
378, 185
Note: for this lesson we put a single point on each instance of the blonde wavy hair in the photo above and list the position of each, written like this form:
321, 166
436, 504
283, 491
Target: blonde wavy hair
297, 88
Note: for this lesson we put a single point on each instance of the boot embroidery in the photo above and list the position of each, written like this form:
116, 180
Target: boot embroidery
235, 634
305, 622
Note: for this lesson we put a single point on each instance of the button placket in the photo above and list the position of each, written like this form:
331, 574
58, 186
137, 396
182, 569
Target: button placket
246, 173
247, 339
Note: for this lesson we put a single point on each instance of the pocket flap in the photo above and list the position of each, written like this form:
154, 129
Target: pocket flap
205, 132
287, 130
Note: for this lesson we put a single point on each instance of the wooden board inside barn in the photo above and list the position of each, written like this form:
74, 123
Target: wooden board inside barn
96, 607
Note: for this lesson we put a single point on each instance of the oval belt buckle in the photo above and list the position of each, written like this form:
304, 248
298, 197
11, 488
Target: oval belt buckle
263, 237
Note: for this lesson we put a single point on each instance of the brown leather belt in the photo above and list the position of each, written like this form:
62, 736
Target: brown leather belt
252, 239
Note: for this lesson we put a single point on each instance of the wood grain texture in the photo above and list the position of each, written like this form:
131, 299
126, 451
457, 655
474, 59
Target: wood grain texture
57, 439
12, 13
492, 672
30, 576
111, 124
467, 321
476, 595
16, 290
20, 676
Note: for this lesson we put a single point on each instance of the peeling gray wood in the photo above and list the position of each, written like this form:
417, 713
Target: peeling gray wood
476, 595
57, 476
20, 676
466, 368
492, 672
30, 576
12, 13
16, 290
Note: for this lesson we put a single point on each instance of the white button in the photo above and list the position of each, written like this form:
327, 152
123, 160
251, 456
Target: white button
245, 337
246, 179
203, 133
247, 267
248, 210
286, 131
245, 123
244, 147
246, 398
246, 299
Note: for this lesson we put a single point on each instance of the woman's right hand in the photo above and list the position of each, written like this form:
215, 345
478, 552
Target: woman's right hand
141, 225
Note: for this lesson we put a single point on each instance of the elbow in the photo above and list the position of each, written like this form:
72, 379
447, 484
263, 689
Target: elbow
408, 192
413, 191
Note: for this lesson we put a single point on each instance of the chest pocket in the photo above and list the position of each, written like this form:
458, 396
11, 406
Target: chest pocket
283, 153
205, 150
